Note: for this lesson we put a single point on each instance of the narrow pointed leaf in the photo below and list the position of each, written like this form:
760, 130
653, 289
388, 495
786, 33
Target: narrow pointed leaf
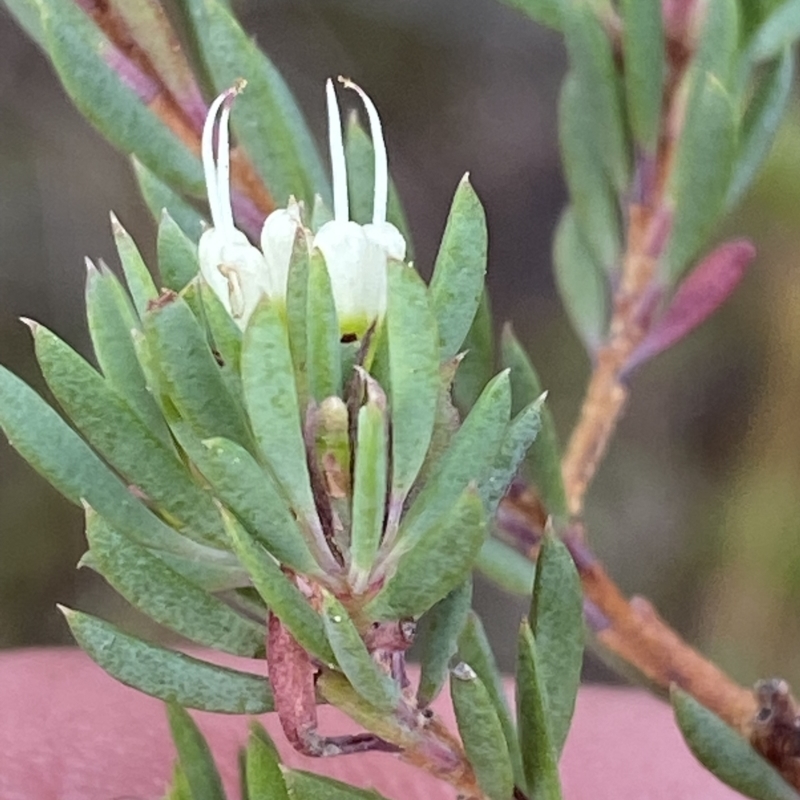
163, 595
111, 322
779, 30
477, 367
475, 650
543, 462
271, 400
296, 310
456, 285
581, 283
441, 627
374, 685
125, 442
324, 361
267, 120
189, 374
520, 435
414, 373
360, 157
699, 295
718, 40
506, 567
166, 674
226, 337
595, 210
435, 562
538, 755
159, 196
369, 490
701, 172
643, 47
251, 493
57, 453
469, 458
194, 755
761, 121
556, 619
177, 254
725, 753
263, 767
280, 594
309, 786
481, 733
179, 790
592, 60
137, 276
87, 64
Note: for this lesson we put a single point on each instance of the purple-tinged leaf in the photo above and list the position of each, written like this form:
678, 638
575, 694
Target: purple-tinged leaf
706, 288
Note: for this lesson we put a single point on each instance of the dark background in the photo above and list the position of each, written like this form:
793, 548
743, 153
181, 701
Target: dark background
698, 503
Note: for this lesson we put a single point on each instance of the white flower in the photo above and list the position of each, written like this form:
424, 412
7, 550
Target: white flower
237, 271
357, 255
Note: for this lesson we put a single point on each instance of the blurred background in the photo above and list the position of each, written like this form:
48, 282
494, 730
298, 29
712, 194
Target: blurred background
697, 505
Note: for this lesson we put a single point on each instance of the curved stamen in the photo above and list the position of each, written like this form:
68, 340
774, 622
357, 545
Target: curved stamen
381, 195
224, 166
209, 163
341, 203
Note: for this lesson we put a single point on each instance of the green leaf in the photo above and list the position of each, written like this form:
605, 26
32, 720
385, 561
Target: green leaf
469, 458
160, 197
545, 12
481, 733
761, 120
177, 254
168, 675
725, 753
226, 336
779, 30
538, 755
163, 595
28, 14
477, 367
592, 61
701, 172
441, 627
414, 374
456, 285
520, 433
137, 276
83, 59
263, 767
179, 790
643, 48
323, 353
506, 567
718, 41
280, 593
194, 755
543, 462
581, 282
271, 400
250, 492
595, 207
57, 453
188, 373
556, 619
296, 310
111, 320
369, 490
309, 786
475, 650
125, 442
432, 564
360, 157
266, 118
353, 658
